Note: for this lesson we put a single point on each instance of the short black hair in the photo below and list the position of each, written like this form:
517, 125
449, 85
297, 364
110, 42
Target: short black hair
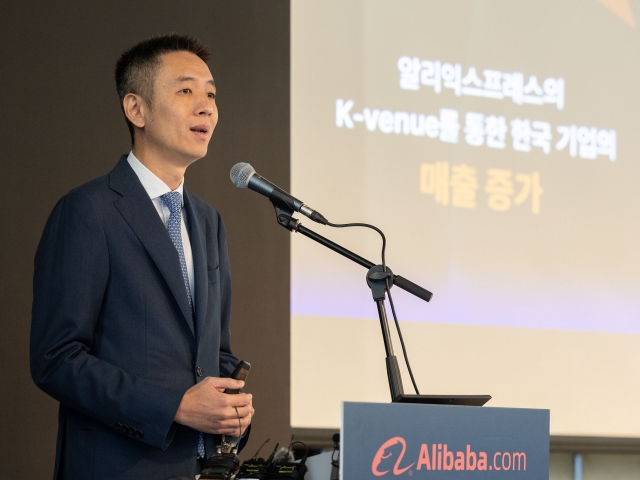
136, 68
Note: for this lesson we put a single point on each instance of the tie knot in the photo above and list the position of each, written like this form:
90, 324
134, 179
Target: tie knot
173, 200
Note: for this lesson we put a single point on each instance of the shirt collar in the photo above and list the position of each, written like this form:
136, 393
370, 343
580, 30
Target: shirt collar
151, 183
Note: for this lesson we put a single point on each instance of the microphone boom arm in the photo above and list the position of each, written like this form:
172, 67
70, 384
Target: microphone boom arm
283, 215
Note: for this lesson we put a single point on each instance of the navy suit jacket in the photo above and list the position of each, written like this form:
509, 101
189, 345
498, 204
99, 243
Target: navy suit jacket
112, 335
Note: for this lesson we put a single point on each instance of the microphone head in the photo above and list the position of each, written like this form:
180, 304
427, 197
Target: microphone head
284, 455
241, 173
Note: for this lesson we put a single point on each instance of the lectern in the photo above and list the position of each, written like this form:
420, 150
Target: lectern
443, 442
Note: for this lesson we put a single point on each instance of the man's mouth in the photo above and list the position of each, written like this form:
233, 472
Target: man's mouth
203, 129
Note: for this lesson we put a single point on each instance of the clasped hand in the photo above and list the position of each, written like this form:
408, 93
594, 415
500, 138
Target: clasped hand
205, 408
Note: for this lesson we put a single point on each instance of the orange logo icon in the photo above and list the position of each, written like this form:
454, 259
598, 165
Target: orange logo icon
380, 456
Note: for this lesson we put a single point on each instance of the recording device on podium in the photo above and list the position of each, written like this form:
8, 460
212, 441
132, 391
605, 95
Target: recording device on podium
284, 467
280, 465
257, 467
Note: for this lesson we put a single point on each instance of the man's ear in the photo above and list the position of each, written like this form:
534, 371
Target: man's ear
135, 109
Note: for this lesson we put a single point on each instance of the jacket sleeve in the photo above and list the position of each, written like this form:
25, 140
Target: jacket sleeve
71, 272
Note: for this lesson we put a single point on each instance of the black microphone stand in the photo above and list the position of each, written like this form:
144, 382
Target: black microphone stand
377, 280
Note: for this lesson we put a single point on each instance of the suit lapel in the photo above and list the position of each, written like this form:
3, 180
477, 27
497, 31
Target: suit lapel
139, 212
196, 223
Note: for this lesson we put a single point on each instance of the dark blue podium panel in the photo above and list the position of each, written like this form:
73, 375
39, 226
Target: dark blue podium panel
443, 442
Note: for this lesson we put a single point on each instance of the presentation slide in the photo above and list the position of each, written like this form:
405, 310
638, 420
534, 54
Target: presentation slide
497, 146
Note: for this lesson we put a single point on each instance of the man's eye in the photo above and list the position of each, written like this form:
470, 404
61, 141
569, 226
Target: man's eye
211, 95
185, 90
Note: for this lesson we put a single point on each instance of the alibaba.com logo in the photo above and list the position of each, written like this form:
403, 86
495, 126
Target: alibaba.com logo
381, 456
440, 457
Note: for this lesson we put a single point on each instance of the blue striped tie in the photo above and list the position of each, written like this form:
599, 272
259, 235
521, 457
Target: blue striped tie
173, 201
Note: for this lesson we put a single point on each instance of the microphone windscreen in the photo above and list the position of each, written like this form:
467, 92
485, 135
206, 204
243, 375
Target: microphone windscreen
284, 455
241, 173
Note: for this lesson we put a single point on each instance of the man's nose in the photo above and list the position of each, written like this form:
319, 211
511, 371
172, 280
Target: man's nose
205, 111
205, 107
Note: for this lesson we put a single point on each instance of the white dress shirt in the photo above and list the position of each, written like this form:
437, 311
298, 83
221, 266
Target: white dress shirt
155, 189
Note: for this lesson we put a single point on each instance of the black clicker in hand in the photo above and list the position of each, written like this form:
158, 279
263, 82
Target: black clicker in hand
241, 372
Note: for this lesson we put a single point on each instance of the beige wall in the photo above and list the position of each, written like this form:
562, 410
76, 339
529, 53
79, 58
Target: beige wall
595, 466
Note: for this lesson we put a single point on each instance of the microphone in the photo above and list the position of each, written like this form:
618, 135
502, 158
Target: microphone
244, 175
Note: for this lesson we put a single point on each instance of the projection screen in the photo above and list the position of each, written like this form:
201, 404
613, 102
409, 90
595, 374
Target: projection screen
497, 145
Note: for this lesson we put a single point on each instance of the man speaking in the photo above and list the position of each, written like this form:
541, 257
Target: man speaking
132, 290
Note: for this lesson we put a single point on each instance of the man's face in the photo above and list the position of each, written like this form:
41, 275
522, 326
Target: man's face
184, 112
